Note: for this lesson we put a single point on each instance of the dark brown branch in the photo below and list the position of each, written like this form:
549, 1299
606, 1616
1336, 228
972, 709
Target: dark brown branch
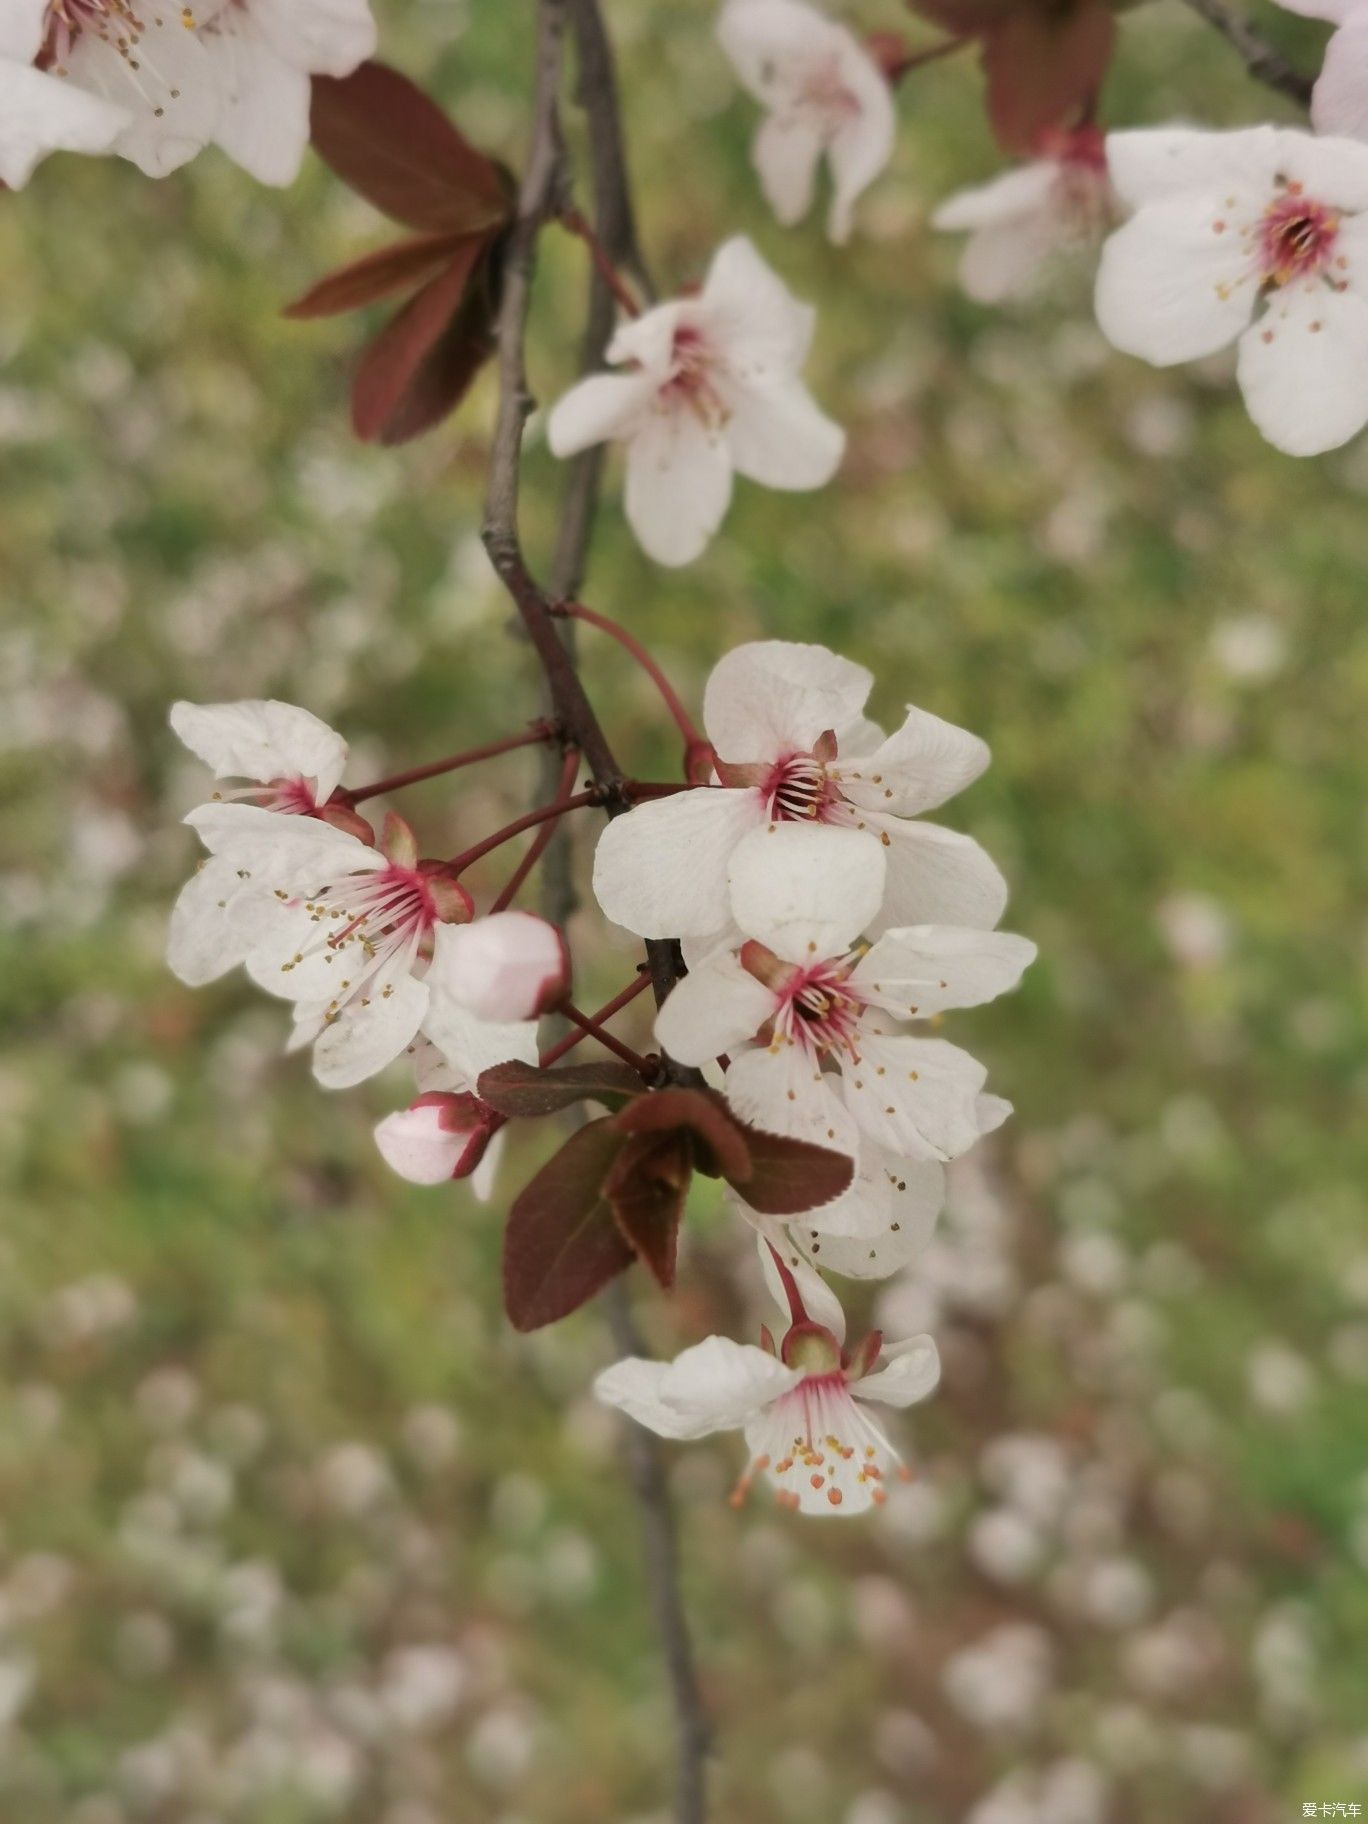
1261, 60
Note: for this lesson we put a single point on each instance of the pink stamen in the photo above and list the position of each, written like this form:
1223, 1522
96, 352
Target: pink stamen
1297, 237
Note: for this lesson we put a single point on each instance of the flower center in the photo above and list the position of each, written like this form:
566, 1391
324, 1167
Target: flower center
1296, 237
290, 797
798, 790
693, 367
825, 93
820, 1010
820, 1450
121, 24
369, 929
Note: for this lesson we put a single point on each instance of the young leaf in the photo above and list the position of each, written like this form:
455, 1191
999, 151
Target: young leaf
394, 361
389, 273
1044, 67
788, 1177
646, 1189
393, 145
444, 375
705, 1115
524, 1090
563, 1243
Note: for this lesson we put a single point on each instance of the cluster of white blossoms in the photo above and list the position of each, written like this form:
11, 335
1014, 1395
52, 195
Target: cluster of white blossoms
378, 950
157, 83
827, 928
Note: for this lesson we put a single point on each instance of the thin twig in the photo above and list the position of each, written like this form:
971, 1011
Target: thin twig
1261, 60
576, 611
595, 1020
560, 911
539, 733
591, 1029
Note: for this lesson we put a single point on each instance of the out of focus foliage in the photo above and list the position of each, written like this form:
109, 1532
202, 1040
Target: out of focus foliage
292, 1528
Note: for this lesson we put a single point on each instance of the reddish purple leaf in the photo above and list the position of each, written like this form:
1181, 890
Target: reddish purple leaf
1044, 68
647, 1188
563, 1243
704, 1114
525, 1090
395, 379
788, 1177
393, 145
391, 272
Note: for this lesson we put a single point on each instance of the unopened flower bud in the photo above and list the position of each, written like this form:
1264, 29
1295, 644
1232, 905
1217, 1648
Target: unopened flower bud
509, 966
440, 1136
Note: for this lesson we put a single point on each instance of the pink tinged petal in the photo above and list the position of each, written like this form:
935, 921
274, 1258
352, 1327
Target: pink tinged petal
319, 37
471, 1045
806, 891
599, 409
771, 698
370, 1032
508, 967
819, 1301
23, 25
661, 869
785, 152
215, 921
936, 877
861, 148
773, 43
264, 118
779, 437
1303, 369
914, 972
40, 113
759, 328
781, 1090
418, 1144
169, 89
925, 762
679, 484
823, 1453
648, 342
1153, 163
1180, 279
1332, 170
914, 1097
262, 741
1015, 196
908, 1372
714, 1010
1339, 104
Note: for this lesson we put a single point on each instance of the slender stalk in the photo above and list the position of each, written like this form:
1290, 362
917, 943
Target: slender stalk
576, 223
595, 1020
544, 837
591, 1029
528, 821
630, 643
532, 737
1264, 63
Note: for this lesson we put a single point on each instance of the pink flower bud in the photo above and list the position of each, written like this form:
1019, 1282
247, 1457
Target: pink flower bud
509, 966
438, 1137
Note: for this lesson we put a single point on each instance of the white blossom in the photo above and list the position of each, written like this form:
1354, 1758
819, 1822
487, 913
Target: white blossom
713, 389
1258, 237
794, 746
822, 93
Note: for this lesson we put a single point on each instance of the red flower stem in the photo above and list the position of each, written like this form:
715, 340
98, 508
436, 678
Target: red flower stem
590, 1026
539, 732
797, 1310
543, 814
538, 846
575, 222
578, 612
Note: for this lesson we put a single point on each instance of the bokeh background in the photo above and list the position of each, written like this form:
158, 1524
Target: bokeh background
292, 1528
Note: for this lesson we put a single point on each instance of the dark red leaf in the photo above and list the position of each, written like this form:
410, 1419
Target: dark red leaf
646, 1189
704, 1114
523, 1089
1044, 67
563, 1243
389, 273
397, 374
791, 1176
393, 145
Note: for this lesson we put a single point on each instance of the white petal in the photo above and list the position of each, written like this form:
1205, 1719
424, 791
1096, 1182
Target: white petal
283, 852
1333, 10
715, 1386
1340, 102
215, 921
819, 1301
660, 870
891, 1224
648, 342
772, 698
319, 37
805, 890
262, 741
507, 967
264, 117
1303, 369
782, 1091
990, 1112
936, 877
366, 1038
1023, 192
785, 152
483, 1179
925, 762
1003, 263
1165, 161
472, 1045
911, 1370
23, 25
1333, 171
914, 1097
752, 316
633, 1386
715, 1009
679, 483
1179, 280
417, 1145
920, 970
40, 113
779, 437
597, 410
861, 148
773, 44
168, 87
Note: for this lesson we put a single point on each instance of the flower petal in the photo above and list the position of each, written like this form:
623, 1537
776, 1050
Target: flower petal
40, 113
263, 121
262, 741
714, 1386
910, 1372
861, 148
1332, 170
715, 1009
215, 921
920, 970
1015, 195
1180, 279
763, 331
914, 1097
679, 484
806, 890
781, 1090
471, 1045
1303, 368
819, 1301
772, 698
23, 26
917, 768
785, 152
508, 967
167, 88
319, 37
779, 437
936, 877
660, 870
281, 850
603, 407
366, 1037
1339, 103
1152, 163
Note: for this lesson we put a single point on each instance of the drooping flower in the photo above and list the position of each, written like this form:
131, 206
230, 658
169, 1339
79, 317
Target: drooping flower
713, 389
1339, 101
1258, 236
263, 53
809, 1015
103, 75
801, 1406
822, 92
1017, 223
793, 746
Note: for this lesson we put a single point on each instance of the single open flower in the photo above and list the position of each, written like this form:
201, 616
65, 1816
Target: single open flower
809, 1015
794, 746
801, 1405
713, 388
823, 94
1259, 237
1018, 223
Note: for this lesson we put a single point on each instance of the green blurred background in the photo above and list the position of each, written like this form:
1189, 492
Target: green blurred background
291, 1527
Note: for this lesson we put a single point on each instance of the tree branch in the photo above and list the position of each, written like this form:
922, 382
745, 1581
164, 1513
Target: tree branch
1261, 60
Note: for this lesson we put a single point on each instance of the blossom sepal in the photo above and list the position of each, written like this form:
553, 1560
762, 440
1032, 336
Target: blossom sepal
342, 817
